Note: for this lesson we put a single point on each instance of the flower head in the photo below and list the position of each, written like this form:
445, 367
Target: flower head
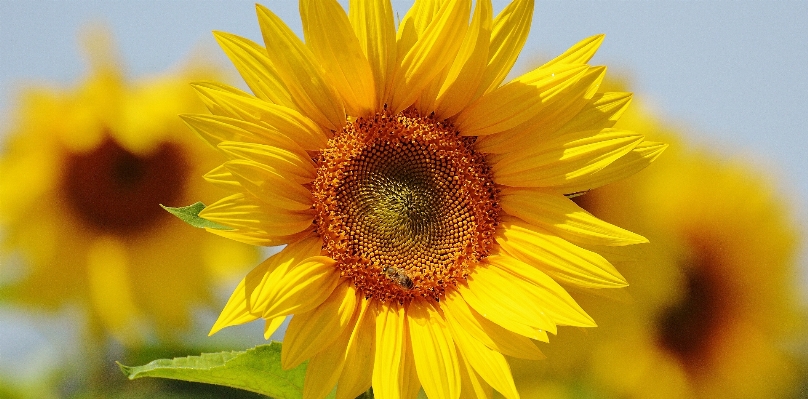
421, 201
713, 307
84, 174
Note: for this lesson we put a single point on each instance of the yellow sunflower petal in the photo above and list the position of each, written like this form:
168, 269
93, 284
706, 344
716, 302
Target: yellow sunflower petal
553, 299
491, 311
490, 364
111, 289
243, 306
460, 84
329, 35
258, 237
434, 352
324, 369
550, 118
558, 214
253, 65
302, 288
517, 101
270, 185
215, 129
498, 297
508, 36
638, 159
414, 24
297, 165
432, 52
372, 20
410, 385
492, 335
226, 101
388, 373
311, 332
580, 53
356, 375
221, 177
272, 325
603, 112
557, 257
564, 158
472, 386
250, 215
300, 72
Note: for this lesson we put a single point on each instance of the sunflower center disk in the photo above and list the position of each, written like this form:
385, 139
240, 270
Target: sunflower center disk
116, 191
405, 206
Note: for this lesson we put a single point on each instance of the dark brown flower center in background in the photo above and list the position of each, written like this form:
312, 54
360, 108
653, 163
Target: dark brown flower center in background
116, 191
405, 206
687, 329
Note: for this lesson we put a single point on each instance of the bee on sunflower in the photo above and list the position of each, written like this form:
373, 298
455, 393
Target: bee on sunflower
421, 200
84, 173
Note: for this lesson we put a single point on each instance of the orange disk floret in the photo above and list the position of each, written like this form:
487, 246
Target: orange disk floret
405, 206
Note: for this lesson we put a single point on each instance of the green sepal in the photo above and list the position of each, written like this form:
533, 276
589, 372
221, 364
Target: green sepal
190, 214
256, 370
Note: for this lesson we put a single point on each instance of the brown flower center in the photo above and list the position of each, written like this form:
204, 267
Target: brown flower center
116, 191
687, 328
405, 206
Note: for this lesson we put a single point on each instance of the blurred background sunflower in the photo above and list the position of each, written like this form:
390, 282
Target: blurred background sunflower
712, 306
84, 171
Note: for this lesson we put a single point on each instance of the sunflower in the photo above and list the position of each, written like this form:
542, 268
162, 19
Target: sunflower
713, 308
84, 172
421, 201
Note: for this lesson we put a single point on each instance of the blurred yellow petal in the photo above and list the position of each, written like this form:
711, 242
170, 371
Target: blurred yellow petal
111, 289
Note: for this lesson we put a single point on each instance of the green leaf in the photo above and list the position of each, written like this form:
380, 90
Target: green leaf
257, 370
190, 214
